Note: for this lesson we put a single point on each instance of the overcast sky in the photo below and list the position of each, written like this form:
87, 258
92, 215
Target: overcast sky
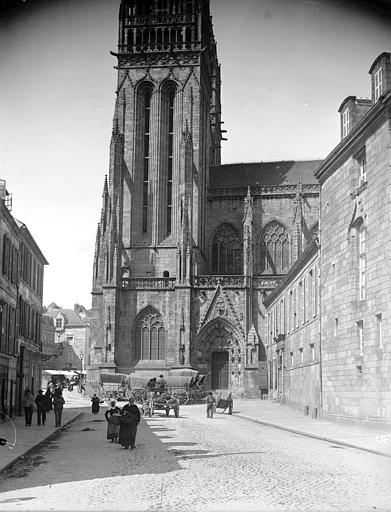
286, 67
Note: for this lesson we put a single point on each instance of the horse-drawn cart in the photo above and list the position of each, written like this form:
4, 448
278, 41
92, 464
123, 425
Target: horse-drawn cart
113, 385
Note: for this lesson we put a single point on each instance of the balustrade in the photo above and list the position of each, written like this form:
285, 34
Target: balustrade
149, 282
228, 281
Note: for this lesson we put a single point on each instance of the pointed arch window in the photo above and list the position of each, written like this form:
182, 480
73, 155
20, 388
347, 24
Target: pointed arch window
227, 251
274, 249
150, 336
168, 99
144, 116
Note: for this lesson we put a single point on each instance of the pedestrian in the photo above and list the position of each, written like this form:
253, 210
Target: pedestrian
58, 405
40, 402
49, 398
130, 418
161, 383
113, 416
210, 405
28, 405
95, 404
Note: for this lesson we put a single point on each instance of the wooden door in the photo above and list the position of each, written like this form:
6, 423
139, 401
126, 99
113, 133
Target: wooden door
220, 370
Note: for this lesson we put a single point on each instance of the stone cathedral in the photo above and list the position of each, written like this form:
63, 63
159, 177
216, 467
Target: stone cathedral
187, 248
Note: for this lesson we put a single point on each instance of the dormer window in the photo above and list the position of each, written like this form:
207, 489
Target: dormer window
378, 83
58, 323
345, 122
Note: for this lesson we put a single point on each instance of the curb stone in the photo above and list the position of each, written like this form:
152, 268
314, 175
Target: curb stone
39, 444
314, 436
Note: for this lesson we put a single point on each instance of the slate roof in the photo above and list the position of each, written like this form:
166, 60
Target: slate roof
73, 320
258, 174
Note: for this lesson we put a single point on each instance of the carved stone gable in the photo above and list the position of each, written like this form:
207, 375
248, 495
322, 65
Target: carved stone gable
220, 306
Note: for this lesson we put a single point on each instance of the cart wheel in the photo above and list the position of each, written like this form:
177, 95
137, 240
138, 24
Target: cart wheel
176, 412
167, 411
182, 396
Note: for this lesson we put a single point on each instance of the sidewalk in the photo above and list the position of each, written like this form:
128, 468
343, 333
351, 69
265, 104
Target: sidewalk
269, 413
28, 438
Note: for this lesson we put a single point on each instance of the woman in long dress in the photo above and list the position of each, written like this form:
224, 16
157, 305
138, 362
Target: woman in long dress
128, 426
95, 404
112, 416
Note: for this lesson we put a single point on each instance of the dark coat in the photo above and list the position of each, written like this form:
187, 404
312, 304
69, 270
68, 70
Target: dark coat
128, 426
95, 404
41, 402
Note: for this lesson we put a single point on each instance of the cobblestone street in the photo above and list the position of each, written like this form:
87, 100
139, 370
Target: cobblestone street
195, 463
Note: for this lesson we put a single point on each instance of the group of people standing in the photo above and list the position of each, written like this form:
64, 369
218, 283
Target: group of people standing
51, 400
122, 423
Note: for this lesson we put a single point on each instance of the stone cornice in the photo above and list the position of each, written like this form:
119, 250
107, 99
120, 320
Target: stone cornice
354, 141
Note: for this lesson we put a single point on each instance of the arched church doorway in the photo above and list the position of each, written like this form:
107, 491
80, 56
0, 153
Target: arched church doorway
218, 353
220, 362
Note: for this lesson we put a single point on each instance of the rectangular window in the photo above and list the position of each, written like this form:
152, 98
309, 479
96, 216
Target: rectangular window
335, 326
345, 122
292, 359
362, 166
58, 323
312, 347
362, 264
378, 83
379, 330
360, 329
301, 355
310, 291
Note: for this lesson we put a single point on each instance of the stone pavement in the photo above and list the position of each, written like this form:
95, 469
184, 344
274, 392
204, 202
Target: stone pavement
264, 412
267, 412
25, 439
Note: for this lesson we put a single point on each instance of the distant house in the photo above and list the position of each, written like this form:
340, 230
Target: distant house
72, 330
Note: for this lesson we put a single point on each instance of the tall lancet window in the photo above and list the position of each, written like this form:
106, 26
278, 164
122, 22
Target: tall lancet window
275, 249
150, 336
168, 96
145, 119
227, 251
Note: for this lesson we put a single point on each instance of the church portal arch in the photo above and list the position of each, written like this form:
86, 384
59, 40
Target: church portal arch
219, 353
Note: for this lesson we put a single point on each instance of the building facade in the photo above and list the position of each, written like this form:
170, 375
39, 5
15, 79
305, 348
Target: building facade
21, 288
71, 337
293, 335
334, 357
355, 260
187, 248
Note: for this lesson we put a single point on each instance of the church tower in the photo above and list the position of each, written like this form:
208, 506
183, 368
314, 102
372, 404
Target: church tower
151, 238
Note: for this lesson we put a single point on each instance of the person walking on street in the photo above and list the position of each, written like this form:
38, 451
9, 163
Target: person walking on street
128, 426
58, 405
210, 405
113, 415
49, 398
95, 404
40, 402
28, 404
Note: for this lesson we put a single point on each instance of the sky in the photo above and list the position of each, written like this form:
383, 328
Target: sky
286, 67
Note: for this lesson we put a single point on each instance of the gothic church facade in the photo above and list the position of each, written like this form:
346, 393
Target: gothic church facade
187, 248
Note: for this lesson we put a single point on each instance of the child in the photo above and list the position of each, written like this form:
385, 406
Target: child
210, 405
